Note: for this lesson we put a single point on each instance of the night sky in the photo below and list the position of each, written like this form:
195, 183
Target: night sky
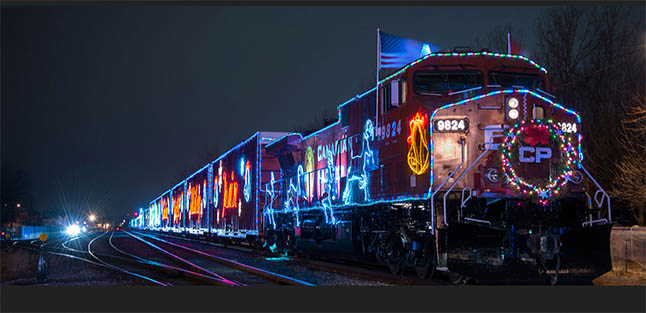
104, 107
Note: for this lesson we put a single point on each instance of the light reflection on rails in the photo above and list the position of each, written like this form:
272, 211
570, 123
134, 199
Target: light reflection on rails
232, 283
89, 249
231, 263
169, 267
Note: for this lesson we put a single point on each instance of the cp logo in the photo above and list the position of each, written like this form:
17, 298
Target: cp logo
540, 152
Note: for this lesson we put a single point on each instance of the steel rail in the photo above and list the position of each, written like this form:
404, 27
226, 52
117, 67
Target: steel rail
162, 266
65, 242
244, 267
89, 248
225, 280
71, 256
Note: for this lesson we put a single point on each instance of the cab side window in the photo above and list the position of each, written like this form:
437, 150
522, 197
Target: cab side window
538, 112
393, 94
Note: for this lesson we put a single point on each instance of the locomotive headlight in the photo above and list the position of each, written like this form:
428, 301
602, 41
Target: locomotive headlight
512, 102
513, 113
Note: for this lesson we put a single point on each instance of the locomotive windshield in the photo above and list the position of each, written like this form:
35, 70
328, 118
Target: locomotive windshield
437, 82
510, 80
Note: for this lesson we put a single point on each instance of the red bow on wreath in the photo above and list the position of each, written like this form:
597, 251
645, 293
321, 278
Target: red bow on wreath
535, 135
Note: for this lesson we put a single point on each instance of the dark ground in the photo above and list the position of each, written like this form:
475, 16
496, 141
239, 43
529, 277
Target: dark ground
19, 267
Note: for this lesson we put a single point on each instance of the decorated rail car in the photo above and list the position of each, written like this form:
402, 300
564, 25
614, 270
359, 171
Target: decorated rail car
458, 162
220, 199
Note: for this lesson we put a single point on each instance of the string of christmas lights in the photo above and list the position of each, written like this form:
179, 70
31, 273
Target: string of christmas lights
517, 133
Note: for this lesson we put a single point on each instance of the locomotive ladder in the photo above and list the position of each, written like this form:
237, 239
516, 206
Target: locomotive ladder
604, 198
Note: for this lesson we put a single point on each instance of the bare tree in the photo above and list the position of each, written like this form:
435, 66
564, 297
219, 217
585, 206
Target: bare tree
630, 186
565, 40
595, 63
610, 75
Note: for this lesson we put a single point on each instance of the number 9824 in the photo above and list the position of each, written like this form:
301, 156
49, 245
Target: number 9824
451, 125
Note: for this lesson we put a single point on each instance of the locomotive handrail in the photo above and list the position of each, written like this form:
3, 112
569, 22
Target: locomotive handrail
477, 220
442, 184
594, 222
467, 199
546, 93
603, 193
591, 208
487, 149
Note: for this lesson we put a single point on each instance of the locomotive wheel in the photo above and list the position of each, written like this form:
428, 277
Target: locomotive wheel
426, 268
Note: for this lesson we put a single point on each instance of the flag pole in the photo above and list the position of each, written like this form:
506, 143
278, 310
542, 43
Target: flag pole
377, 88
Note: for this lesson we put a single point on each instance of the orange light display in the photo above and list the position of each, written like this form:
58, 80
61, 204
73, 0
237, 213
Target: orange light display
177, 207
230, 191
418, 151
195, 203
164, 209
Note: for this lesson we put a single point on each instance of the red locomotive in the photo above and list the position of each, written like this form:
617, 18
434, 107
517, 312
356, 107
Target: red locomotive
459, 162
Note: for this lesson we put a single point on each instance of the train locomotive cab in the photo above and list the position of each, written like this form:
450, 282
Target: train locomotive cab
507, 180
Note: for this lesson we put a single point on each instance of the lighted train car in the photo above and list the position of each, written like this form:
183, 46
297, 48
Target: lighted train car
159, 216
196, 200
222, 198
465, 164
237, 176
177, 205
166, 212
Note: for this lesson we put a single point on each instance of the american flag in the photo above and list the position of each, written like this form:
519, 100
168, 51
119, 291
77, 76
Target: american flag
396, 52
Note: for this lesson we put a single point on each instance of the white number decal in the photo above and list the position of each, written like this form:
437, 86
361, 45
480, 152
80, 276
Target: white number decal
452, 125
568, 127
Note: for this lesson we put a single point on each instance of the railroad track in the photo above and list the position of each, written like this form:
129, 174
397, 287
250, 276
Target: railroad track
148, 271
167, 262
244, 274
103, 249
172, 264
361, 271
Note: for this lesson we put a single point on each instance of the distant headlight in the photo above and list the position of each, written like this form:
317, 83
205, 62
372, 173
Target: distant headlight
513, 114
512, 103
73, 230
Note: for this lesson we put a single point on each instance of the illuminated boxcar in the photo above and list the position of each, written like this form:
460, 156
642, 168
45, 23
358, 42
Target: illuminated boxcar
236, 178
221, 198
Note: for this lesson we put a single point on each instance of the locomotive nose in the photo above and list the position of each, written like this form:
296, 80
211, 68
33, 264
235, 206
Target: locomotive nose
544, 245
